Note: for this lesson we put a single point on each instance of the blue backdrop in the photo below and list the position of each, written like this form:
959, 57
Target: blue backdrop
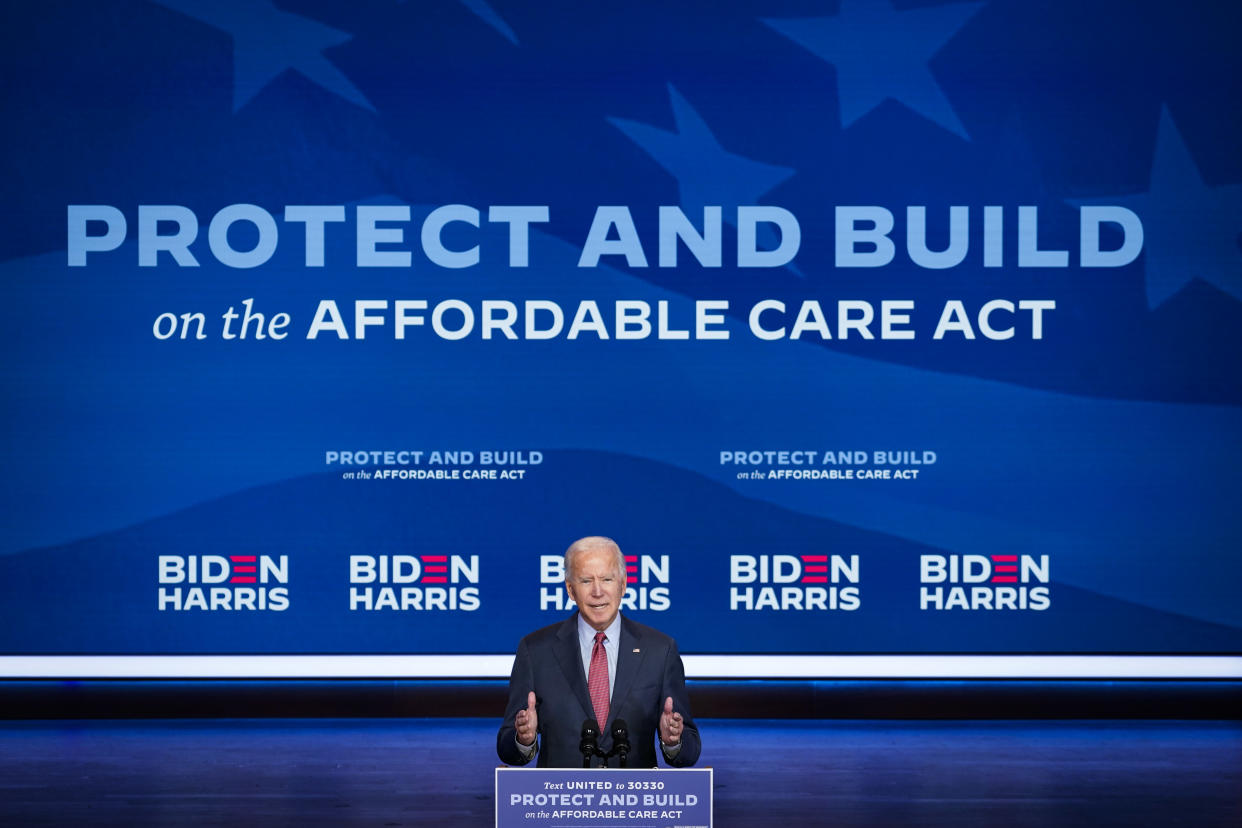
1038, 454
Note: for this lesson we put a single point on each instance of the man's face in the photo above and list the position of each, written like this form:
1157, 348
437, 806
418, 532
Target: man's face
596, 586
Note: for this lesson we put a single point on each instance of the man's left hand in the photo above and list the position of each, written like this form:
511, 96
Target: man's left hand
670, 724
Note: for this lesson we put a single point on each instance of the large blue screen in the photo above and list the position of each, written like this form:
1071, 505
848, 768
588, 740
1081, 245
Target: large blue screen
903, 328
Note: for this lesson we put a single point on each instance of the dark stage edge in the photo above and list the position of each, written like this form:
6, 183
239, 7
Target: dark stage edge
384, 772
767, 699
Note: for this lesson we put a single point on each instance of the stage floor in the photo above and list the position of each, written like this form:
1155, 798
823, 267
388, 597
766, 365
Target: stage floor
304, 772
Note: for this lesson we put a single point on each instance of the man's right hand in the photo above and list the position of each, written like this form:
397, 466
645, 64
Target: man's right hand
527, 722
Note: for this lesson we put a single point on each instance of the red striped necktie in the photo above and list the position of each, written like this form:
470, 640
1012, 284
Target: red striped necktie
597, 680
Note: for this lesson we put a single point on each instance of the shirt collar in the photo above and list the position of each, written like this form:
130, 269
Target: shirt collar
586, 633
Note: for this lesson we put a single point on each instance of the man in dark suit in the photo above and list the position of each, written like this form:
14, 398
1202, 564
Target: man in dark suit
597, 665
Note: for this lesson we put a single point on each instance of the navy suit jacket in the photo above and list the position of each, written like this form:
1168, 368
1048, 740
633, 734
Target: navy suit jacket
649, 670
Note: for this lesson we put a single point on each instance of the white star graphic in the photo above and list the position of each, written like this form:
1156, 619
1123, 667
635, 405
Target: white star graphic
881, 53
706, 172
267, 41
1190, 230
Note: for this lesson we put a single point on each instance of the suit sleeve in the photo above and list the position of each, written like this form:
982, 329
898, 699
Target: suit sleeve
675, 686
521, 683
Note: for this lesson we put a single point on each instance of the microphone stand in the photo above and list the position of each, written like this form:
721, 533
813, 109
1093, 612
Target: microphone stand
589, 745
620, 741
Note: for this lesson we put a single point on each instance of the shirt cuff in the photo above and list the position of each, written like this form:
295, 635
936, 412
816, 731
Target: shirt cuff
527, 751
670, 751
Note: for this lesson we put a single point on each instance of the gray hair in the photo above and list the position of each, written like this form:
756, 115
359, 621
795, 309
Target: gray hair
593, 542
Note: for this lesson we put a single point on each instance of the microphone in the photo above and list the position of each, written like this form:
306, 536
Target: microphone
589, 745
620, 739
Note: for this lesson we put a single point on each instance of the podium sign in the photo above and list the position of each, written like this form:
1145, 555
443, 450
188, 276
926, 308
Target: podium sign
606, 797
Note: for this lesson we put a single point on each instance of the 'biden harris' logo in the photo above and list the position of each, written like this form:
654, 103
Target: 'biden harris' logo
414, 583
793, 582
223, 583
984, 582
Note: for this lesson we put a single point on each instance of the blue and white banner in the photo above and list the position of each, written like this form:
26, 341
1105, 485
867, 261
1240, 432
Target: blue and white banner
865, 327
609, 798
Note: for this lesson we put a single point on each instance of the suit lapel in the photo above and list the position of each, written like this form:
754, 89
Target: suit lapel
569, 657
630, 655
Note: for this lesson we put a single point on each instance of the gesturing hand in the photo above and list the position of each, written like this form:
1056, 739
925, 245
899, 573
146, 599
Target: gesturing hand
670, 724
527, 721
